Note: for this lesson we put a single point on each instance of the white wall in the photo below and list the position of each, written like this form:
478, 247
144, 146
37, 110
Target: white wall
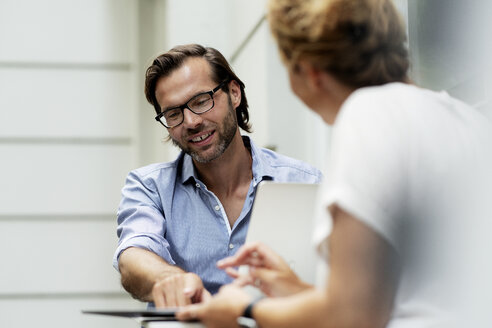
68, 137
450, 48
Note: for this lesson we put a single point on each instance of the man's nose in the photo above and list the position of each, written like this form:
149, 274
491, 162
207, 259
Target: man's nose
190, 119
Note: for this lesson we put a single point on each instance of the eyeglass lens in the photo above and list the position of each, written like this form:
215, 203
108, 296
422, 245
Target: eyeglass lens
198, 104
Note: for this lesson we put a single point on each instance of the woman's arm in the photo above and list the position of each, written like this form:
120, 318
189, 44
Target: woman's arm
359, 293
360, 288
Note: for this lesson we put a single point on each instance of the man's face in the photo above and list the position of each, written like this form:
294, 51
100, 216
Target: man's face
205, 137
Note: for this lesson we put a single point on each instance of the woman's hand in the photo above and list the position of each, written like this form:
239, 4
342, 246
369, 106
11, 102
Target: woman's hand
267, 271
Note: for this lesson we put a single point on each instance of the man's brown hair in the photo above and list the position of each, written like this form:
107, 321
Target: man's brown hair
166, 63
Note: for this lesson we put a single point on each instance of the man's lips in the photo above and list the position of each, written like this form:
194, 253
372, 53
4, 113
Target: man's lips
200, 137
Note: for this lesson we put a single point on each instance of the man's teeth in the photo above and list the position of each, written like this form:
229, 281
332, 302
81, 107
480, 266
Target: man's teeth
200, 138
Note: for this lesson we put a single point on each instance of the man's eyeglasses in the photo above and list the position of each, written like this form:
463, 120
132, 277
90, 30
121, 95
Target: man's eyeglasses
199, 104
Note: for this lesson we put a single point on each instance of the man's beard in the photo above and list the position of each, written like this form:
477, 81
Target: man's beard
226, 134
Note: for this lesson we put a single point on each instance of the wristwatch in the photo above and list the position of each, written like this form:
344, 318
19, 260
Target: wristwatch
246, 320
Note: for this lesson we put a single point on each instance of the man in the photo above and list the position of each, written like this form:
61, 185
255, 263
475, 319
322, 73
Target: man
177, 219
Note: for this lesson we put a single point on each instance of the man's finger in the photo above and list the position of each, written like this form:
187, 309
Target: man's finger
188, 313
193, 289
159, 299
170, 296
183, 298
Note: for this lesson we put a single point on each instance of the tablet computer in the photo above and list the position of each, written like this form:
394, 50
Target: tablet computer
140, 315
283, 218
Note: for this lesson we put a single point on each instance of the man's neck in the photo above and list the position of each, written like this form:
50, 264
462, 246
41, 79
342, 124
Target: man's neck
228, 172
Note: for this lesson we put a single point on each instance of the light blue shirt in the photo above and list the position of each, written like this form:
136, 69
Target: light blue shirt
166, 209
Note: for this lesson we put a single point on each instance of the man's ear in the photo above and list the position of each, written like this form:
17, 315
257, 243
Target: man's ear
235, 93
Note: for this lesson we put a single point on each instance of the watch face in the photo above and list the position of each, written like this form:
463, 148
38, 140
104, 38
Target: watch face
244, 322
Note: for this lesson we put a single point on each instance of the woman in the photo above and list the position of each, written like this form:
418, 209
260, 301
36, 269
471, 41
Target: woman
404, 173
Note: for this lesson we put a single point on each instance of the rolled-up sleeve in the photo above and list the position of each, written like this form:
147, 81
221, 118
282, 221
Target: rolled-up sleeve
141, 219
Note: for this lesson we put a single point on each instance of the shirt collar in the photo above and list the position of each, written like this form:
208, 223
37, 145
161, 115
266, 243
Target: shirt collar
188, 172
261, 168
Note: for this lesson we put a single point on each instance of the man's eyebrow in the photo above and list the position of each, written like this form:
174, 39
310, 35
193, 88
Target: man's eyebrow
170, 107
183, 104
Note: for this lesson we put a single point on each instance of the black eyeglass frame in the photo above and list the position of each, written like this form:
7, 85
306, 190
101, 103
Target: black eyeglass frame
185, 105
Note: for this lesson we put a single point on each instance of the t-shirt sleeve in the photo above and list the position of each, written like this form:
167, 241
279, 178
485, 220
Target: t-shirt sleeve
141, 221
366, 171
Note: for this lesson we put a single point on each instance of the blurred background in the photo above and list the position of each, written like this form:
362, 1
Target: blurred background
74, 121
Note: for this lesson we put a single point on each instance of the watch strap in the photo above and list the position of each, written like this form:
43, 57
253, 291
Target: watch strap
248, 311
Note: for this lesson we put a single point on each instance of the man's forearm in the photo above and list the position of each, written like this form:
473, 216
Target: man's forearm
140, 269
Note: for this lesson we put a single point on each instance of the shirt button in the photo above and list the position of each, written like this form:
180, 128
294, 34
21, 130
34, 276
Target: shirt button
231, 246
217, 207
197, 185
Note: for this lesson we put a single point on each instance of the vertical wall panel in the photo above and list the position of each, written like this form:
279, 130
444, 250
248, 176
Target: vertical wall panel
66, 102
58, 255
59, 31
69, 178
68, 137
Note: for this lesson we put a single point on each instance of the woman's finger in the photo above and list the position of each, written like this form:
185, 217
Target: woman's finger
233, 273
249, 254
243, 280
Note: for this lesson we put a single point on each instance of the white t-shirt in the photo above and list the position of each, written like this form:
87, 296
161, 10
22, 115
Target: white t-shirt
409, 163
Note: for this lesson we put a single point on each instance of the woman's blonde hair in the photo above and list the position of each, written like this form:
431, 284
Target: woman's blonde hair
359, 42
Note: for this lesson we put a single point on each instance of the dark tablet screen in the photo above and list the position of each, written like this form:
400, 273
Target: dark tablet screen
143, 315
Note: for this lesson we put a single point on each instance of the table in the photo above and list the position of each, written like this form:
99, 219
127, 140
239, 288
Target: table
171, 324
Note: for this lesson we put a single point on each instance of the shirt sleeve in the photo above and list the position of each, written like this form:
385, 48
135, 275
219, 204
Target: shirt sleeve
141, 221
366, 173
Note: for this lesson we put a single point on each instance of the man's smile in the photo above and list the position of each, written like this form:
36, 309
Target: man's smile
201, 137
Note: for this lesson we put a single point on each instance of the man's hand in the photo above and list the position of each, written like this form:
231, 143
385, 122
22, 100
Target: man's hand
267, 271
179, 290
149, 278
221, 310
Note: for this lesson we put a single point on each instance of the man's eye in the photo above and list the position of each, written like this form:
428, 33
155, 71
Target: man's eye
172, 114
203, 100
